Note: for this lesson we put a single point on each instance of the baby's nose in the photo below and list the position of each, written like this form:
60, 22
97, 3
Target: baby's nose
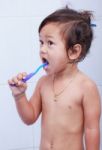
43, 50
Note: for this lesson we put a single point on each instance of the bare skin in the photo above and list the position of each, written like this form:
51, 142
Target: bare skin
63, 120
76, 110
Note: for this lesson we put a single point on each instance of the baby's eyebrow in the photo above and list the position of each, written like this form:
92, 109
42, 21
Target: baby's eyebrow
46, 37
49, 36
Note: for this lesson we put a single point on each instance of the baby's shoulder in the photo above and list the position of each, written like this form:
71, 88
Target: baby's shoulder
45, 79
90, 90
87, 83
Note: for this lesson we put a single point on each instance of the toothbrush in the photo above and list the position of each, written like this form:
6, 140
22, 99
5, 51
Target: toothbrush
33, 73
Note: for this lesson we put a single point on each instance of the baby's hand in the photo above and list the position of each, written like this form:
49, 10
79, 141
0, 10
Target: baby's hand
17, 86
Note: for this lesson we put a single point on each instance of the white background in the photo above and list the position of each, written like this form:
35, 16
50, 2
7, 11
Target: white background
19, 51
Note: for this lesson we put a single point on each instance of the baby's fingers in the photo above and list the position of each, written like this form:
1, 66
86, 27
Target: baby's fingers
11, 82
21, 76
17, 80
17, 85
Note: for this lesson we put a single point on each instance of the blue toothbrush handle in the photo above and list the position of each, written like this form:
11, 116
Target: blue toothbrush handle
27, 77
33, 73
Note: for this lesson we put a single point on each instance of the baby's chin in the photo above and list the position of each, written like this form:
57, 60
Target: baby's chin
49, 70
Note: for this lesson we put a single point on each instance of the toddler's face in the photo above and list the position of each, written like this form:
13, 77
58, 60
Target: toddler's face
52, 48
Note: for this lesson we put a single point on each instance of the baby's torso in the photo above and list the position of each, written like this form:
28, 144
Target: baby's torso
62, 118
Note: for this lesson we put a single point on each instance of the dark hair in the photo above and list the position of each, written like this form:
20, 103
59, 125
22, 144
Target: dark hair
80, 28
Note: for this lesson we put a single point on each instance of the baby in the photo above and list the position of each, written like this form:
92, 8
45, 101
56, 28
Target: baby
67, 98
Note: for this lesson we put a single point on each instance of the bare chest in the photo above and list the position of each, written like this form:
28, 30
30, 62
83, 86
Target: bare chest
64, 113
67, 102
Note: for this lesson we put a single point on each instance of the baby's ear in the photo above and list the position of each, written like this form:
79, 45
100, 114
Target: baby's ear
74, 53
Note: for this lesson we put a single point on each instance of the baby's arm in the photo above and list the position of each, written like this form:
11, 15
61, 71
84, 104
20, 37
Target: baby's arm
28, 110
92, 110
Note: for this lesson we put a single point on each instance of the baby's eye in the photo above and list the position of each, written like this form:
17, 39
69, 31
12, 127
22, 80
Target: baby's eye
41, 42
50, 43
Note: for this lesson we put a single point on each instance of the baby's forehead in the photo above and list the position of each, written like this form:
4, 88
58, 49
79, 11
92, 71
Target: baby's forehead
51, 26
50, 29
55, 27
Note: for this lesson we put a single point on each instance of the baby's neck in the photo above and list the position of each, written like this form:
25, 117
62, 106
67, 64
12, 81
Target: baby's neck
67, 72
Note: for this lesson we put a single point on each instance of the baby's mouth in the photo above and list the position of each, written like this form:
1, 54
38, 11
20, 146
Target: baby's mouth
44, 60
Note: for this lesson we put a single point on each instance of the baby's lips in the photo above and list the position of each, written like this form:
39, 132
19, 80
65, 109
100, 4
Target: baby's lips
44, 60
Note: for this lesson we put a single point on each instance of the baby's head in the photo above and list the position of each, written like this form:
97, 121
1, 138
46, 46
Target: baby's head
75, 28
